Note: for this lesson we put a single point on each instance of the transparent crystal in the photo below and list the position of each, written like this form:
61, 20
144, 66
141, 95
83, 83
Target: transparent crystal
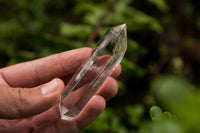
102, 61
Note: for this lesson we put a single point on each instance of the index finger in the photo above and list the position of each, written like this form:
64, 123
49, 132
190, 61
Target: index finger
33, 73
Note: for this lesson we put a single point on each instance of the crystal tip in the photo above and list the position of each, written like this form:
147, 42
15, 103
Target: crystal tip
122, 25
120, 28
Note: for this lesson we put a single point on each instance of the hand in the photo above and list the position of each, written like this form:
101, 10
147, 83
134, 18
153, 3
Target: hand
33, 88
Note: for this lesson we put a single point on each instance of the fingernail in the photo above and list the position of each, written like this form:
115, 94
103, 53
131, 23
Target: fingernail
49, 88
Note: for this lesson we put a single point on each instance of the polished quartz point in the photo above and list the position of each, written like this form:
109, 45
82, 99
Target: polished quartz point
102, 61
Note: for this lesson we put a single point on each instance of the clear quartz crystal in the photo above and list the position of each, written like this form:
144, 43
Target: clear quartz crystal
102, 61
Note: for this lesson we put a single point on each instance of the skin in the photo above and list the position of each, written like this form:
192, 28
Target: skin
24, 108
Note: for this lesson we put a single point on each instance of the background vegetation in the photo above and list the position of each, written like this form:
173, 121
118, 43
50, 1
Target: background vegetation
159, 88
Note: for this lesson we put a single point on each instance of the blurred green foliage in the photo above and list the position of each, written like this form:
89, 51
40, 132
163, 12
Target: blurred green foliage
161, 65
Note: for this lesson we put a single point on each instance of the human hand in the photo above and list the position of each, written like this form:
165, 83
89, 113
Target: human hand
24, 92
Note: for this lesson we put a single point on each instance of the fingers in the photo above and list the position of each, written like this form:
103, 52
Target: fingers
24, 102
22, 126
30, 74
90, 112
116, 72
109, 89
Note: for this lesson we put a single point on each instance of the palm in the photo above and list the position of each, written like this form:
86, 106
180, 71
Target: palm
31, 74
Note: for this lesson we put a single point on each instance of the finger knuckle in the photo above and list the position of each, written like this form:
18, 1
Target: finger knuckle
22, 101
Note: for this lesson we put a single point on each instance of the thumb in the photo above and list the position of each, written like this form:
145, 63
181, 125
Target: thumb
24, 102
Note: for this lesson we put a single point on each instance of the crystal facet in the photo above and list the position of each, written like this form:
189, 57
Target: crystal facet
102, 61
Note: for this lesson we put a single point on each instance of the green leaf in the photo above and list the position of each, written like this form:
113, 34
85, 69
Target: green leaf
168, 116
171, 91
156, 113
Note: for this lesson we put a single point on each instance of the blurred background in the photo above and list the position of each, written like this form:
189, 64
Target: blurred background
159, 87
